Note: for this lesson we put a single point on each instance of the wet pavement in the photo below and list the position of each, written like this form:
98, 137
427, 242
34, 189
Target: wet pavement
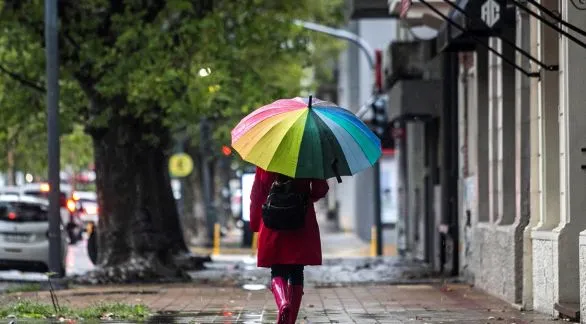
351, 290
333, 273
454, 303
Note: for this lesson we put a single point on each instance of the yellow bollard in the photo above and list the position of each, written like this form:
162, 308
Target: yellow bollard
254, 243
216, 250
373, 241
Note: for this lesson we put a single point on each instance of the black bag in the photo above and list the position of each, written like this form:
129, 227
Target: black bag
284, 209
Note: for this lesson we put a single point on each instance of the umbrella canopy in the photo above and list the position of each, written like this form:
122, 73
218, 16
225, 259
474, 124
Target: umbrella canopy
306, 138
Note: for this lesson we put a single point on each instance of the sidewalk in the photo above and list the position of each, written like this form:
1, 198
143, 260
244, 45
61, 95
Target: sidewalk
334, 244
190, 303
231, 271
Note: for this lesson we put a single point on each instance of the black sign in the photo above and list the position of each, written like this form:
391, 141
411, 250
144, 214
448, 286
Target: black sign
475, 18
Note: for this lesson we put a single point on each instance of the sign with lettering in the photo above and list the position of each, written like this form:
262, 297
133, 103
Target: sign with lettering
490, 12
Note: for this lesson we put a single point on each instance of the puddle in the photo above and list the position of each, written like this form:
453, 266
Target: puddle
114, 292
254, 287
218, 316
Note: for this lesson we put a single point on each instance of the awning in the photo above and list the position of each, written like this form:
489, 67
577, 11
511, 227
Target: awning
476, 19
360, 9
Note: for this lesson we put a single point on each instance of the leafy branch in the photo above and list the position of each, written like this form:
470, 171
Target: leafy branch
22, 80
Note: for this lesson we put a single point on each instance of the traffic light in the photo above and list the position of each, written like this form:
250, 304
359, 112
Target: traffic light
226, 150
380, 118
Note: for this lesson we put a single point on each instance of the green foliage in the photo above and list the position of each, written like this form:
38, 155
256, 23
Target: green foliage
143, 59
114, 311
76, 149
27, 309
27, 287
151, 54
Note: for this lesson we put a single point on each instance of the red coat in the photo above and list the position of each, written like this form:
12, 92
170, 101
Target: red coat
301, 246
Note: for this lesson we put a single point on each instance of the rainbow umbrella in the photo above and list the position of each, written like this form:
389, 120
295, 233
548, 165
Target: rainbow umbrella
306, 138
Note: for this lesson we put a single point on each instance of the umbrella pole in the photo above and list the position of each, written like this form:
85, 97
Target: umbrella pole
335, 169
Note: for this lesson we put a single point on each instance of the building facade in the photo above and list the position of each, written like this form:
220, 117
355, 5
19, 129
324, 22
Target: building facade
521, 147
354, 196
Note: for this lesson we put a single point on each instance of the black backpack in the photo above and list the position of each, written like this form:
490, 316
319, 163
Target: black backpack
284, 208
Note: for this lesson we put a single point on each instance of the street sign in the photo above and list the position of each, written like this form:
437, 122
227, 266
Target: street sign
180, 165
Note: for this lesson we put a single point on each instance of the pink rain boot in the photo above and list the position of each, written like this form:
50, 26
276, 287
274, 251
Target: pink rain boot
279, 289
295, 295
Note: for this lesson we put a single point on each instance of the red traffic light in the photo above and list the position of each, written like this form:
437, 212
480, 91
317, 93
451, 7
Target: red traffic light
226, 150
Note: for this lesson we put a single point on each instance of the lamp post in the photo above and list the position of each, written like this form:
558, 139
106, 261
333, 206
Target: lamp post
374, 60
52, 70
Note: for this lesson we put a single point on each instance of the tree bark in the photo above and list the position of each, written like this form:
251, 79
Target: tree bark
203, 238
11, 170
139, 233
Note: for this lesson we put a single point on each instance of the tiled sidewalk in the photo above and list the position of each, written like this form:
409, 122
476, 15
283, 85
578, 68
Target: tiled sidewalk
362, 304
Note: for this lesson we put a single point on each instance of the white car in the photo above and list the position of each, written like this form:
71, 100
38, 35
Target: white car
69, 219
24, 229
10, 191
87, 206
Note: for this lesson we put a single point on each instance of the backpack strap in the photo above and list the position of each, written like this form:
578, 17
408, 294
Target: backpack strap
283, 178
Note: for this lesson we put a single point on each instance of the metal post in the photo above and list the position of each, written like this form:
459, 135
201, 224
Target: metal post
449, 229
342, 34
52, 70
377, 210
206, 177
180, 147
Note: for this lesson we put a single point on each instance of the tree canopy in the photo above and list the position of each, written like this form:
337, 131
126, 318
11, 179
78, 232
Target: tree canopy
134, 71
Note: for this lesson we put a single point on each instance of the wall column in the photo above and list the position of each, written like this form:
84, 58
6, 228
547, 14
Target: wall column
572, 139
546, 283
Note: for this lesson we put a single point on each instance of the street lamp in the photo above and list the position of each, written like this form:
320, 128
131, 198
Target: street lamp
204, 72
342, 34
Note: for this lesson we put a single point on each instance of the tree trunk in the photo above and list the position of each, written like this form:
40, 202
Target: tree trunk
220, 184
190, 227
140, 235
11, 171
199, 214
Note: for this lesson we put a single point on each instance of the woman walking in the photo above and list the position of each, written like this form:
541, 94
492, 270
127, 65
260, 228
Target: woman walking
286, 252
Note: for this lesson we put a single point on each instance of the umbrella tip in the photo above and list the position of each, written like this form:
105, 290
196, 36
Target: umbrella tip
309, 102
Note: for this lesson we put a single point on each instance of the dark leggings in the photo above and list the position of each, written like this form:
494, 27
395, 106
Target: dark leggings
291, 272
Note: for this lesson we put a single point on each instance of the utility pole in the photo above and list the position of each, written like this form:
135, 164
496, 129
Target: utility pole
208, 195
379, 107
52, 70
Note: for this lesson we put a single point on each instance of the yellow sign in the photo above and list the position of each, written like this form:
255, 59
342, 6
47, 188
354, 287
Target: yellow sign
180, 165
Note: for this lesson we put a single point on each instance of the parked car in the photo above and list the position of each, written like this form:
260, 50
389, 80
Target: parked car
24, 234
70, 220
10, 190
86, 206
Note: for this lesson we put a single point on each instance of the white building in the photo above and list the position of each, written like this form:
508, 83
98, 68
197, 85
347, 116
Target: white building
355, 195
521, 149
